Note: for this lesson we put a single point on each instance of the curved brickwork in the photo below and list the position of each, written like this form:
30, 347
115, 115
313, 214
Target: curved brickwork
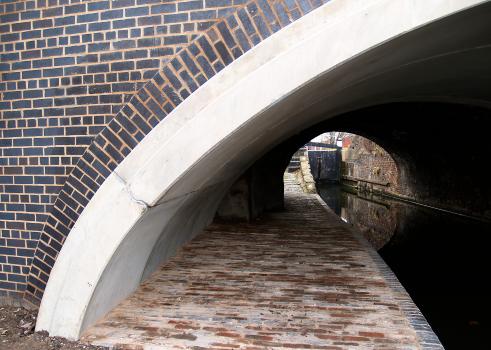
49, 122
67, 67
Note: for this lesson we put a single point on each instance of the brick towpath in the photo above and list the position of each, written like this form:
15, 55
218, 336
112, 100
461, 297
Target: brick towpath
297, 279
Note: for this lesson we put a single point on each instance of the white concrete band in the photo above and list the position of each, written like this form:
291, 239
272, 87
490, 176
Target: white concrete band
185, 164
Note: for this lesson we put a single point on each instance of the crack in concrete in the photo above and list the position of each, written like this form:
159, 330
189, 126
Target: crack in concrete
132, 196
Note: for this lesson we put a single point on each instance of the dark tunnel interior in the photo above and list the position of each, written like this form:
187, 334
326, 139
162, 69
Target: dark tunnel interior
442, 152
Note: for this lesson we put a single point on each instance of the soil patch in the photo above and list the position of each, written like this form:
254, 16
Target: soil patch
17, 333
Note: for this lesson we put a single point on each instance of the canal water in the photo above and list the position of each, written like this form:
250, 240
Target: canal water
443, 261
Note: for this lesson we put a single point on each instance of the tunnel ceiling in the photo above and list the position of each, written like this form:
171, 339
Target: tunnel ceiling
152, 166
425, 98
441, 149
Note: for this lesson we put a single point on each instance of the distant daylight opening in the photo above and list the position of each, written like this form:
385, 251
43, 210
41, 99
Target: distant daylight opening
179, 228
437, 255
351, 174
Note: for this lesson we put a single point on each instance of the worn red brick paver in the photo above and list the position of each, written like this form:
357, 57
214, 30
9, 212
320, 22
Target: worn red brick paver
294, 280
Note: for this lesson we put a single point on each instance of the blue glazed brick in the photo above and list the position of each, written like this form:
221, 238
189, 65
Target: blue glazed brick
137, 11
223, 52
203, 15
190, 5
176, 18
99, 5
30, 14
112, 14
75, 9
175, 39
117, 66
163, 8
90, 17
122, 3
227, 36
263, 28
207, 49
246, 22
125, 23
218, 3
11, 17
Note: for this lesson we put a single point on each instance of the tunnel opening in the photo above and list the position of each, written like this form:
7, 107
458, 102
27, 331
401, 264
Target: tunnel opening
287, 274
438, 255
155, 209
407, 209
353, 176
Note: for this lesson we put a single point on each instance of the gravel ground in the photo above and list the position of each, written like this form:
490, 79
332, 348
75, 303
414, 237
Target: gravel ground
17, 333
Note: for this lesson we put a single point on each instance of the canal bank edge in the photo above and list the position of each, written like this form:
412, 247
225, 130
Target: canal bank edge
428, 339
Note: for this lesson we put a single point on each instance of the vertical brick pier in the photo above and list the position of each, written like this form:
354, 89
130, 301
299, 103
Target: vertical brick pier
297, 279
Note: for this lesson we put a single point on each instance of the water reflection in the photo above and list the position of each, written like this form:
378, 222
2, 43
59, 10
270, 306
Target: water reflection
373, 215
441, 259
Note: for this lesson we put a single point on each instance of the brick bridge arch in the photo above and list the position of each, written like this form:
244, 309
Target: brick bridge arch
141, 179
187, 71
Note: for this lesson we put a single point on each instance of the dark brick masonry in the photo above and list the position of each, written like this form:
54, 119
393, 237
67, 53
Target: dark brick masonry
82, 84
297, 279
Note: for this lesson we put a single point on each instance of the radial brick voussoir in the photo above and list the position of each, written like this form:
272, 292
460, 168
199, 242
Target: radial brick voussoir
192, 66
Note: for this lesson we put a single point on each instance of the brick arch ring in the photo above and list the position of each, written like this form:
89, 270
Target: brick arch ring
190, 69
154, 177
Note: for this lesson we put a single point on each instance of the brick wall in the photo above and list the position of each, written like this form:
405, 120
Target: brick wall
365, 160
66, 68
82, 82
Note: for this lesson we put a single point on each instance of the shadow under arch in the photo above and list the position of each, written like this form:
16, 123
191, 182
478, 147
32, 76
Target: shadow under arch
160, 191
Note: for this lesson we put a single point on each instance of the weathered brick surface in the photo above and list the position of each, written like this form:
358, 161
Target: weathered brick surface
370, 162
298, 279
81, 84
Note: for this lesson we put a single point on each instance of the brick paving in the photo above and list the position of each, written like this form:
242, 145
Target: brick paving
296, 279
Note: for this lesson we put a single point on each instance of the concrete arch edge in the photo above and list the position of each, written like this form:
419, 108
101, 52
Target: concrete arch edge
158, 196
